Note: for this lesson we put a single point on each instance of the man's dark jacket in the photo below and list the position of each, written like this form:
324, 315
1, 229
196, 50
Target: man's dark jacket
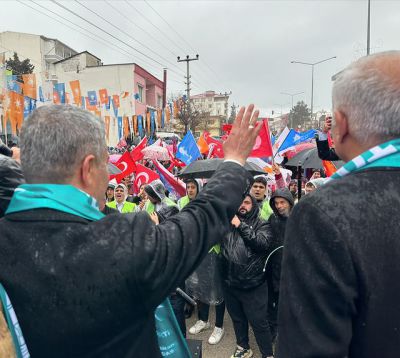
325, 152
278, 225
89, 289
244, 251
340, 292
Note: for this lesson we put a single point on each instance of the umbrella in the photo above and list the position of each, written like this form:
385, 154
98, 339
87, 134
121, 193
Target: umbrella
113, 170
309, 159
155, 152
206, 168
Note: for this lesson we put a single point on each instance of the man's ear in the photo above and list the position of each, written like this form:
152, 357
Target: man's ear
87, 170
341, 127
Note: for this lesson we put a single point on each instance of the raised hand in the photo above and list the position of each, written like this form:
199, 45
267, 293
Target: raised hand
243, 135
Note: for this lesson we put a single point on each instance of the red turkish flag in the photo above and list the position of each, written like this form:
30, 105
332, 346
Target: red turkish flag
262, 147
144, 176
217, 150
136, 153
126, 165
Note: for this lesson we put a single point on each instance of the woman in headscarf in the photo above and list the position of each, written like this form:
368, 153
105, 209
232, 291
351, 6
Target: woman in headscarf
120, 203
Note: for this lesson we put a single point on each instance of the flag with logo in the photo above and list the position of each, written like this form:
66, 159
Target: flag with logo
294, 138
136, 153
92, 98
103, 96
89, 106
279, 140
174, 185
143, 176
60, 90
16, 110
126, 165
29, 85
41, 97
108, 103
140, 125
120, 127
188, 151
203, 145
13, 84
107, 127
262, 147
29, 106
76, 91
116, 101
216, 150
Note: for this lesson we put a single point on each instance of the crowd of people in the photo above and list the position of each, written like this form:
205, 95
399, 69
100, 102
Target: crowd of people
89, 263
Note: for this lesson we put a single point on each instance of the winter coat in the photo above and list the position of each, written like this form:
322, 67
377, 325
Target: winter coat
89, 289
325, 152
10, 177
340, 292
244, 251
278, 226
126, 208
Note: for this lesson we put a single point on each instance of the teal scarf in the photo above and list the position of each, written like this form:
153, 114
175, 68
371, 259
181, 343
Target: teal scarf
68, 199
383, 155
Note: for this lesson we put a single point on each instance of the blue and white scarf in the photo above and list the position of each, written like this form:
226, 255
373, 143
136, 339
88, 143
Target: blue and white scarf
383, 155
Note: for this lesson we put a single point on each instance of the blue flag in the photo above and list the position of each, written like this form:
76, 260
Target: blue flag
152, 123
41, 97
115, 109
13, 84
83, 102
295, 138
108, 104
29, 106
92, 96
188, 151
163, 118
60, 88
120, 134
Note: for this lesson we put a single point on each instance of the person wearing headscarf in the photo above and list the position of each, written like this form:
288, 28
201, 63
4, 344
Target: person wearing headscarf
120, 203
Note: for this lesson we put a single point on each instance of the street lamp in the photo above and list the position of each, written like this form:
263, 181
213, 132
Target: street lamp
291, 95
312, 78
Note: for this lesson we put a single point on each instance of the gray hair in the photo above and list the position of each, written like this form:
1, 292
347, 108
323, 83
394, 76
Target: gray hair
369, 94
55, 140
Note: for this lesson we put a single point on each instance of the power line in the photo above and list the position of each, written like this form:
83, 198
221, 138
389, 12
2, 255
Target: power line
161, 31
125, 33
141, 28
120, 49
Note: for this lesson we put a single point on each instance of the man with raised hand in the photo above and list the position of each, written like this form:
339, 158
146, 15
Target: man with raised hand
86, 285
339, 294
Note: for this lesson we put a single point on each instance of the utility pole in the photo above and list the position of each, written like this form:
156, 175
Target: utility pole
368, 27
187, 60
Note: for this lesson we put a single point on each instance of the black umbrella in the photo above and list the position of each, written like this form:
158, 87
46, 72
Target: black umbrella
113, 170
205, 169
309, 159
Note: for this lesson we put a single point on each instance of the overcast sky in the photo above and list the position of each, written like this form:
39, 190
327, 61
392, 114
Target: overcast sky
244, 46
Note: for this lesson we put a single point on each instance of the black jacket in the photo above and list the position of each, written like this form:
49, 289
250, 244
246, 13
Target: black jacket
325, 152
89, 289
244, 251
278, 225
340, 287
4, 150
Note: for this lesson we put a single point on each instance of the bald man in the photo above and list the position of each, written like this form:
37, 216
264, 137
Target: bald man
340, 292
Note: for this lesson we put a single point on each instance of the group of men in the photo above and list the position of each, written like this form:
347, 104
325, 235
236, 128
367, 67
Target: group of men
87, 285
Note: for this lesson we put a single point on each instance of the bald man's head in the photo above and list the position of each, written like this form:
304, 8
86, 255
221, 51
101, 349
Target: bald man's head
366, 103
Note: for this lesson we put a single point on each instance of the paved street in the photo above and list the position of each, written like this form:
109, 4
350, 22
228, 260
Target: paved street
227, 345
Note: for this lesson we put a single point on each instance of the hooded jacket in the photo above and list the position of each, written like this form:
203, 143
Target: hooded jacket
127, 206
244, 251
278, 225
156, 190
182, 202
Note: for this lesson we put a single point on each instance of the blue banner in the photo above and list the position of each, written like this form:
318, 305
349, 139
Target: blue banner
295, 138
13, 84
140, 125
60, 88
108, 104
163, 118
41, 97
29, 106
120, 133
152, 123
92, 96
115, 109
188, 151
83, 102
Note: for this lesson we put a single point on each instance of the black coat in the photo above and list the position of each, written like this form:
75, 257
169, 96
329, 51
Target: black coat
244, 251
89, 289
278, 226
325, 152
340, 287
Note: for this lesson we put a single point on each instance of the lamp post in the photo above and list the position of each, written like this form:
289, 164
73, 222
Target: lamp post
291, 95
312, 77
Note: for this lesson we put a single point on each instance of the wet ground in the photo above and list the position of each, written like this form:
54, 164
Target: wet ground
228, 343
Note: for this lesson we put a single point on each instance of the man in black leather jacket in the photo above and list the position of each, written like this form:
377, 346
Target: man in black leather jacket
244, 251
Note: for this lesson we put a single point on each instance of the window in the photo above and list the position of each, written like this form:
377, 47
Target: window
140, 92
159, 101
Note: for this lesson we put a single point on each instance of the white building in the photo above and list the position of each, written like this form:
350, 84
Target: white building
214, 103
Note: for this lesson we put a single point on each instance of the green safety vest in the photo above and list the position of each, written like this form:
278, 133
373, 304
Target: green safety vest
265, 210
182, 202
127, 208
150, 207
